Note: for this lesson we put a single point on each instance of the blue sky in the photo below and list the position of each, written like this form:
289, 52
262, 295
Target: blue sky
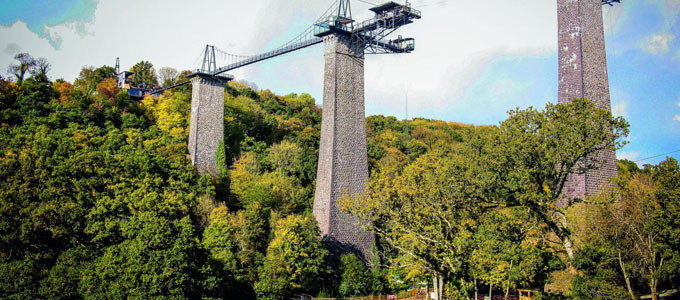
474, 60
645, 84
39, 14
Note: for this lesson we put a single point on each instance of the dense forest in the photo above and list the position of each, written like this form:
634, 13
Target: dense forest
99, 200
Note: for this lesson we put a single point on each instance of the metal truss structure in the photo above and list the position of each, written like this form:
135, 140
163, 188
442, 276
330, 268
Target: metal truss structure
371, 33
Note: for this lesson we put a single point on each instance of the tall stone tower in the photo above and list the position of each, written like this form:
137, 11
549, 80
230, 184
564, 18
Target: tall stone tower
583, 73
206, 128
343, 159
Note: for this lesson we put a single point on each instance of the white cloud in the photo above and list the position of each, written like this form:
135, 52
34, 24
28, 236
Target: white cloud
454, 43
620, 110
677, 118
658, 43
619, 101
629, 155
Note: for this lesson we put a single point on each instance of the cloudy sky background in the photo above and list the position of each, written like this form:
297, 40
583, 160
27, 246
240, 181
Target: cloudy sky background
474, 60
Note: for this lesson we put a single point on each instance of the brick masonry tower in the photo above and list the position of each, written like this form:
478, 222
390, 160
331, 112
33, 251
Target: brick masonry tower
583, 73
343, 160
206, 128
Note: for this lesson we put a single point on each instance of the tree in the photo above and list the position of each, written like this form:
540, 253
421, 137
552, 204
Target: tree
535, 152
108, 88
171, 111
252, 237
509, 250
89, 78
168, 76
286, 157
429, 209
355, 279
64, 89
42, 67
145, 74
94, 202
26, 64
9, 92
627, 168
155, 260
219, 240
295, 259
600, 265
638, 223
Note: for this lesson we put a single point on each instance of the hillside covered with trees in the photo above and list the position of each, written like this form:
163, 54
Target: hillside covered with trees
99, 200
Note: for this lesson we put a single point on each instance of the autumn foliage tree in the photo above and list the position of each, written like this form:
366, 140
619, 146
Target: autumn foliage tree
295, 259
635, 229
145, 74
430, 209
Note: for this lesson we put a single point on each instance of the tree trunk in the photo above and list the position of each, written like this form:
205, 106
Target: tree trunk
427, 291
626, 278
653, 282
441, 288
435, 286
569, 248
475, 288
490, 290
507, 288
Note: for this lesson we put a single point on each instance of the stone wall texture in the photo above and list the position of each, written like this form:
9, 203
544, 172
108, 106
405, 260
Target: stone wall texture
343, 162
207, 122
583, 73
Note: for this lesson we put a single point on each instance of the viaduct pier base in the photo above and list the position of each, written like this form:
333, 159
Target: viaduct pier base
583, 73
343, 162
206, 128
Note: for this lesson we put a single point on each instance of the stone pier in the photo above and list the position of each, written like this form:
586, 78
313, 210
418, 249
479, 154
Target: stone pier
343, 162
207, 120
583, 73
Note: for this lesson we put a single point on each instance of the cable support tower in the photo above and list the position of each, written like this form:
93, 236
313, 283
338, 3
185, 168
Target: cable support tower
371, 34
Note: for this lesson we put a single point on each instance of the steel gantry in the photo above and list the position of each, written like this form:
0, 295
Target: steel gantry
372, 33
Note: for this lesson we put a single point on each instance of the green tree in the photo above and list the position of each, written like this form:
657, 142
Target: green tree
41, 68
510, 251
168, 76
427, 209
145, 74
639, 224
157, 259
252, 237
219, 240
295, 259
355, 279
627, 168
26, 64
89, 78
599, 279
9, 92
94, 202
285, 157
